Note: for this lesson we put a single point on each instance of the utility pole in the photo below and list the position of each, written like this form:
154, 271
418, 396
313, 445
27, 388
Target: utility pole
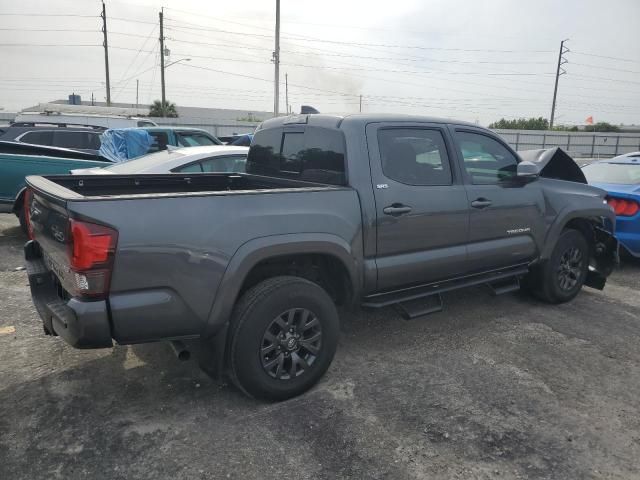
360, 103
559, 71
276, 61
286, 92
137, 90
105, 43
164, 99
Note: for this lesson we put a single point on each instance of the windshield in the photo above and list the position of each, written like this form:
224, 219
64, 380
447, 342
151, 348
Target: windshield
144, 162
621, 173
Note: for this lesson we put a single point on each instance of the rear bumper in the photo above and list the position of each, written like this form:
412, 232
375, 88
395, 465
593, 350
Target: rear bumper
628, 235
81, 324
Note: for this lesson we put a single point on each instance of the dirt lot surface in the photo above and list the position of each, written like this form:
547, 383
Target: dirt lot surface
501, 387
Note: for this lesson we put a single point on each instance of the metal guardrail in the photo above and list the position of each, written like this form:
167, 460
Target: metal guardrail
577, 144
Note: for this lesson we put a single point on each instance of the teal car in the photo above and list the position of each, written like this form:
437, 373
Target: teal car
19, 160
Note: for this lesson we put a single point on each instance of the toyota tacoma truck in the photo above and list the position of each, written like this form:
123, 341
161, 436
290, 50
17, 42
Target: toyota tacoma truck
360, 210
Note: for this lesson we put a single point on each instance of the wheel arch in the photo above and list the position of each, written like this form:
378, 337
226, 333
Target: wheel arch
274, 253
582, 220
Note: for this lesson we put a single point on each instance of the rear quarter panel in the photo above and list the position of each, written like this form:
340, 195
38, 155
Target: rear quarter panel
173, 252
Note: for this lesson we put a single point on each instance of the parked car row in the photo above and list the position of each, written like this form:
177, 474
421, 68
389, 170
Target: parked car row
37, 148
87, 138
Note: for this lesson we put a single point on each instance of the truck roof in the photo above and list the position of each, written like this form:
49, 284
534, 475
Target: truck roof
334, 121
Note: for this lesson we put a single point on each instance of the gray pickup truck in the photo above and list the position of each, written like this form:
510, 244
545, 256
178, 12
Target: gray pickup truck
360, 210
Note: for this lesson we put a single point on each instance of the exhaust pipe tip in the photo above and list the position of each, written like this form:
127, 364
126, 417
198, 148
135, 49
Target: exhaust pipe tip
180, 349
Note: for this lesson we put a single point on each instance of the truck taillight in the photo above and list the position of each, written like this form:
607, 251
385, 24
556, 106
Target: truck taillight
624, 207
26, 205
91, 257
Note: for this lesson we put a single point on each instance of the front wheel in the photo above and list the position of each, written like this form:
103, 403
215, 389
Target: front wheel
560, 278
284, 334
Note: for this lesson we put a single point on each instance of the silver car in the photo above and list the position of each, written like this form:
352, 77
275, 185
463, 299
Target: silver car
205, 159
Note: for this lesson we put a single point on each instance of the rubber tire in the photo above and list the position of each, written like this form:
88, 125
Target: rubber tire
543, 281
252, 315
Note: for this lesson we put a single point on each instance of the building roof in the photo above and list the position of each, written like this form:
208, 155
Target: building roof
194, 114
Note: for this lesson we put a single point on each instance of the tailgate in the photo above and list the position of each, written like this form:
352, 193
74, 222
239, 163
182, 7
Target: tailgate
48, 223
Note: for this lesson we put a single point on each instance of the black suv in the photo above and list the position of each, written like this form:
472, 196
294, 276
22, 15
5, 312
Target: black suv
76, 137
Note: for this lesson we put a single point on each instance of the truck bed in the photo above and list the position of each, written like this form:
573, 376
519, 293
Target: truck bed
80, 187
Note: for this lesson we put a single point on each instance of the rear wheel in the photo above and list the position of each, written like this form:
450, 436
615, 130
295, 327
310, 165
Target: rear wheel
284, 334
560, 278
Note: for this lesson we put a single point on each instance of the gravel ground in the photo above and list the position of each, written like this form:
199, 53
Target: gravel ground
500, 387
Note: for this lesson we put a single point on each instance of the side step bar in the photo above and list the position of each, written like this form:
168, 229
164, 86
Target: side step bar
499, 281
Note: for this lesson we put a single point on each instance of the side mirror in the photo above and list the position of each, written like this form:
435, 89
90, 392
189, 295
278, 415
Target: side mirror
528, 170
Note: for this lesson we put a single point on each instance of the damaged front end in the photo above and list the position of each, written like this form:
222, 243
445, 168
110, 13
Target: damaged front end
554, 163
579, 206
605, 257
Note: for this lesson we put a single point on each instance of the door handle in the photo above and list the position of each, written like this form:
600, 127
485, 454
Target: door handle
396, 209
481, 203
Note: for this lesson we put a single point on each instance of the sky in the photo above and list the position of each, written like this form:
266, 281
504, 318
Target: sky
471, 60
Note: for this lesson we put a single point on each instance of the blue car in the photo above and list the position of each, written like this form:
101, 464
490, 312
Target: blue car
620, 177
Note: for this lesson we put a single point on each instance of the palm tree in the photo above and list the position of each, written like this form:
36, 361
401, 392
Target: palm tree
157, 110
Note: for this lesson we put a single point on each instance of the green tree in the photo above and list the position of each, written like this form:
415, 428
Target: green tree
522, 124
602, 127
166, 110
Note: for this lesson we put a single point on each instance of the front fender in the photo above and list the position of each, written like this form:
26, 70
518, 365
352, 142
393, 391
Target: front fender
565, 216
257, 250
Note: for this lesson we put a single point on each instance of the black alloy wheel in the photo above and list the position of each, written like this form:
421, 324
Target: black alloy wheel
291, 343
570, 268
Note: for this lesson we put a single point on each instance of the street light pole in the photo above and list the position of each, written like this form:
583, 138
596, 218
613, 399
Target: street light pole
164, 98
276, 61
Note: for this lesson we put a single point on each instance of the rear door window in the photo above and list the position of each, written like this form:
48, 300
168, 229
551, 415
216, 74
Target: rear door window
414, 156
194, 139
229, 163
193, 168
38, 138
66, 139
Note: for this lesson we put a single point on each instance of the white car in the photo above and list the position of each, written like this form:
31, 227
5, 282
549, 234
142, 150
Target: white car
205, 159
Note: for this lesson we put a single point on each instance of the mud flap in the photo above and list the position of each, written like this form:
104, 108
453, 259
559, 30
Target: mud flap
604, 260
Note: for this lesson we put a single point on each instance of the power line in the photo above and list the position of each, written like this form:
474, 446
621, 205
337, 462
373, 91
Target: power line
605, 56
130, 20
136, 56
383, 45
46, 30
608, 79
600, 67
47, 15
44, 45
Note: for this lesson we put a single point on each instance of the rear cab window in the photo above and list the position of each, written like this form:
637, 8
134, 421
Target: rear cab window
313, 154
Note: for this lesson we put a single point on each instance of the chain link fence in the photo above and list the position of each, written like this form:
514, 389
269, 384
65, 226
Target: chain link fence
577, 144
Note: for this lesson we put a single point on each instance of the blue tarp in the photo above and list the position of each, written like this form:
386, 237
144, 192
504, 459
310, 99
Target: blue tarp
123, 144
